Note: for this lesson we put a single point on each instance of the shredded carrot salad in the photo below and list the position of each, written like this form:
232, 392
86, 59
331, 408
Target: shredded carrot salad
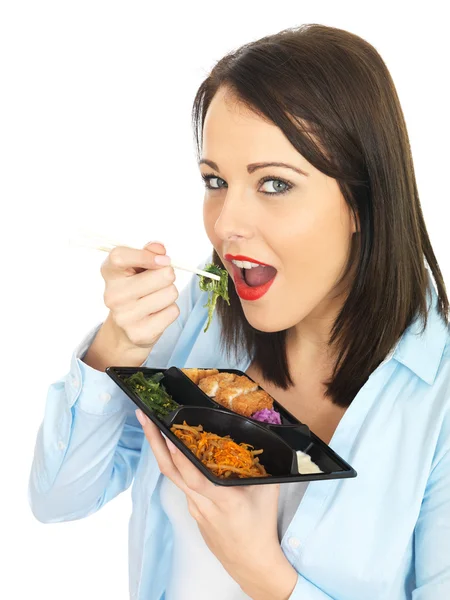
221, 455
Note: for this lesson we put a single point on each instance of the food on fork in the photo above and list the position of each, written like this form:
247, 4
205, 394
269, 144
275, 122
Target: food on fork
221, 455
215, 288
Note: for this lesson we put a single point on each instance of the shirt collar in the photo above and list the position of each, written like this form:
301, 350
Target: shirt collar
422, 354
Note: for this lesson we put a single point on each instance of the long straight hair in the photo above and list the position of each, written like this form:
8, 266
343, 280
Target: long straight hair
332, 95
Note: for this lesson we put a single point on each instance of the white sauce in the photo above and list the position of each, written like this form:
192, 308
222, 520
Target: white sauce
305, 464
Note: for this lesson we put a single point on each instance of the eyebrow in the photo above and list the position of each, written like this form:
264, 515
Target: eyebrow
254, 166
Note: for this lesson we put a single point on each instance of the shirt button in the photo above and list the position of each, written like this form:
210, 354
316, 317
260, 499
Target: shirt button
61, 445
105, 397
293, 542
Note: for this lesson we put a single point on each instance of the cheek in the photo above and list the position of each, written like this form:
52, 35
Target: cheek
319, 238
209, 219
313, 252
320, 259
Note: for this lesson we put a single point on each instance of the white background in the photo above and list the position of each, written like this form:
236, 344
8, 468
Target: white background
95, 132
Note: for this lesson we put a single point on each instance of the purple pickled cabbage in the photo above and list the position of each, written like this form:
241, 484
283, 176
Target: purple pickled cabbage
266, 415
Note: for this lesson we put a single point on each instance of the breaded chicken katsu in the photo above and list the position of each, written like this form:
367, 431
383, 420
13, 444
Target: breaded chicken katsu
236, 392
197, 374
211, 385
250, 403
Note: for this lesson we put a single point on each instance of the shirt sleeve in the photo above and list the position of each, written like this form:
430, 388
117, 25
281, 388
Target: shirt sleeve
89, 443
432, 532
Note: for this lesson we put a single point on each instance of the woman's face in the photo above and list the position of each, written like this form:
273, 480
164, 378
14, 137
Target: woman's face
295, 222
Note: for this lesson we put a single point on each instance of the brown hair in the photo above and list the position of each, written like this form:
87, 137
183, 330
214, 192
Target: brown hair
331, 94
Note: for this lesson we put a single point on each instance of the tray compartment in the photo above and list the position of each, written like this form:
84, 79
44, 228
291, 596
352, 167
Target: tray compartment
278, 457
286, 417
175, 386
321, 454
297, 438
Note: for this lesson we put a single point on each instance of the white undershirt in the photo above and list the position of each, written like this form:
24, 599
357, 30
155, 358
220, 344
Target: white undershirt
196, 573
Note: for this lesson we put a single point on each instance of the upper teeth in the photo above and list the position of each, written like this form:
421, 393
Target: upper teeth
245, 264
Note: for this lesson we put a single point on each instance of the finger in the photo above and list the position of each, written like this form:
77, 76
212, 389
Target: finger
192, 476
160, 447
136, 310
156, 247
209, 497
201, 507
141, 284
121, 259
152, 326
160, 450
147, 306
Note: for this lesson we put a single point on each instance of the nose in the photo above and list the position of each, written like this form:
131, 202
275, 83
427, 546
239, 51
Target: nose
236, 219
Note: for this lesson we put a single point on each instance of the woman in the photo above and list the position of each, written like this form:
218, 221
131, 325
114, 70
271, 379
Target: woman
308, 173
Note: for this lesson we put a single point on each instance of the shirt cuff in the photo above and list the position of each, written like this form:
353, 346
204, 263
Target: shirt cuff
93, 391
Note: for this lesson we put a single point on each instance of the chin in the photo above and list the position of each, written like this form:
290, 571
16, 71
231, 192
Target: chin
267, 323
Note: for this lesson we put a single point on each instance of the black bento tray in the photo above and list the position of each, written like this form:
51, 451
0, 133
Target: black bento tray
279, 442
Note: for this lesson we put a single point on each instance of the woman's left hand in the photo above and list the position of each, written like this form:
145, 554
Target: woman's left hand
238, 523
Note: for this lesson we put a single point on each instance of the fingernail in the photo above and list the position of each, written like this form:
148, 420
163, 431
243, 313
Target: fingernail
154, 242
171, 446
162, 259
141, 417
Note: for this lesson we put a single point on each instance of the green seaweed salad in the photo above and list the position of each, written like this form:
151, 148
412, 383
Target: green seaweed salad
152, 393
215, 288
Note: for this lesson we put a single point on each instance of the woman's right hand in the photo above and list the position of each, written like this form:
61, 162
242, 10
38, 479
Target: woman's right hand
140, 294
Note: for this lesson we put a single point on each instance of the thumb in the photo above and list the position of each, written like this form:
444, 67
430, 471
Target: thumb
142, 417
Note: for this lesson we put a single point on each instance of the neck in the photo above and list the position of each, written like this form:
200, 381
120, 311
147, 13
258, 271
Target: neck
307, 343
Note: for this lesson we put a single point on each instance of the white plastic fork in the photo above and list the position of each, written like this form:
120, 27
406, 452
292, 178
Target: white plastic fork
104, 244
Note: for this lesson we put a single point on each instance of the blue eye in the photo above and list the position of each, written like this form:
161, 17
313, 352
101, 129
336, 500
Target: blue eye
208, 178
221, 183
277, 190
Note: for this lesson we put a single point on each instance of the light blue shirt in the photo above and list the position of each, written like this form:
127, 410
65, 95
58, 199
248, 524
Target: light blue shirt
384, 535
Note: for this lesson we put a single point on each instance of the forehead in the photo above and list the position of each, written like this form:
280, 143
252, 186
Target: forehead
230, 126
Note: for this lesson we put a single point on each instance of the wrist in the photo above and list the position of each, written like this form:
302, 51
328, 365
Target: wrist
111, 347
275, 579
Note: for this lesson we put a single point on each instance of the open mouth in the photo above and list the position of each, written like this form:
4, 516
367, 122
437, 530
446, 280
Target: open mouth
257, 276
252, 278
